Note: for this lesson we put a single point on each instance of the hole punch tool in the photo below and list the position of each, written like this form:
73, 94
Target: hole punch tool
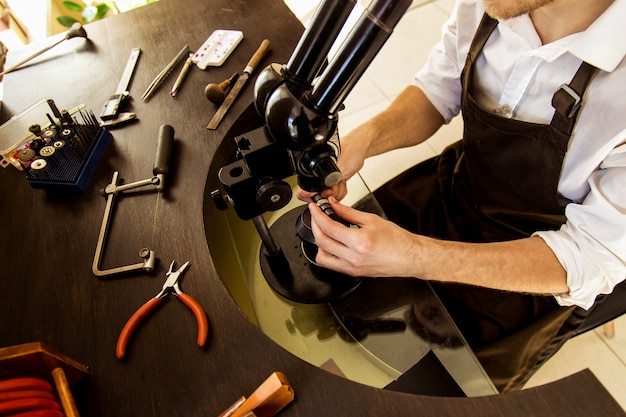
165, 144
216, 93
170, 287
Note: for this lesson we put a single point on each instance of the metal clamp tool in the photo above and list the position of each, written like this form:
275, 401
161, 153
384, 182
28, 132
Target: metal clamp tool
165, 146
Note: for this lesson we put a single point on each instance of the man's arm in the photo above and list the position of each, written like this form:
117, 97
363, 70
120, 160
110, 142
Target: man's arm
410, 119
379, 248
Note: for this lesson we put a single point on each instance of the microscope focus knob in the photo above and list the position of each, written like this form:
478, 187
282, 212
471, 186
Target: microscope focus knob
317, 169
327, 170
273, 195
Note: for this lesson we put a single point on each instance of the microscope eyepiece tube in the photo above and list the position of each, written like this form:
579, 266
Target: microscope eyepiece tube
356, 53
388, 12
310, 53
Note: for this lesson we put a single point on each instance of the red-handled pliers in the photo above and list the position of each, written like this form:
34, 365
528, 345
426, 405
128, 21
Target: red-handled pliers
170, 287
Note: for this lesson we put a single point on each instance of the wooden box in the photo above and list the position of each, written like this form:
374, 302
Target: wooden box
39, 361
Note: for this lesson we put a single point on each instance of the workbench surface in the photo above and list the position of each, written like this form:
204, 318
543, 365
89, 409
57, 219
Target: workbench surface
50, 295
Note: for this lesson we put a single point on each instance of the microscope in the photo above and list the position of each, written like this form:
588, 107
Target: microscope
298, 103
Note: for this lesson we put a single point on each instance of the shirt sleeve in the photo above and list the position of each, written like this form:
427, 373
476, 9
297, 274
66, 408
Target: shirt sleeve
440, 77
591, 245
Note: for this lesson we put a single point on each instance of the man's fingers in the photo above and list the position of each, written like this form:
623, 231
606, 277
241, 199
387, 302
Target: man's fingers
338, 191
330, 253
324, 223
349, 214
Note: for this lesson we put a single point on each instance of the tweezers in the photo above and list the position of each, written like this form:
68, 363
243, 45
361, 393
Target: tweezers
165, 72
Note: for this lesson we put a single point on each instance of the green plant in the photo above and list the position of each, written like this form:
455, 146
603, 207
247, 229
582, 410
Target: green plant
89, 12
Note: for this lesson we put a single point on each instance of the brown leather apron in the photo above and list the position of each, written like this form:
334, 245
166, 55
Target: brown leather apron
499, 183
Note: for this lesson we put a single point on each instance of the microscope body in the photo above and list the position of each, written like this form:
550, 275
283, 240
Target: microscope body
298, 103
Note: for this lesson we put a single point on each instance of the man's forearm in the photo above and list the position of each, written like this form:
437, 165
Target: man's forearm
524, 265
380, 248
410, 119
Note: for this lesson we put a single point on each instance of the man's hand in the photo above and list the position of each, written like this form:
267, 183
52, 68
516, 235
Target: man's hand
377, 248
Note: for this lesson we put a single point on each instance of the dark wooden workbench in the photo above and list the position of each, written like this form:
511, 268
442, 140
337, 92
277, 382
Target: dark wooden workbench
49, 295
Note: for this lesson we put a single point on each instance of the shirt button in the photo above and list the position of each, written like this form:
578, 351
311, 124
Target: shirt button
504, 110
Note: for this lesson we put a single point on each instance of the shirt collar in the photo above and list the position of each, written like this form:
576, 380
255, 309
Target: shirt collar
602, 44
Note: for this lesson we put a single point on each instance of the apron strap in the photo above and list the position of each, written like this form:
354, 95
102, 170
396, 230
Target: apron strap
568, 99
485, 27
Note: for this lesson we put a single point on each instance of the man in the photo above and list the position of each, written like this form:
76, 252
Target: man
527, 214
3, 57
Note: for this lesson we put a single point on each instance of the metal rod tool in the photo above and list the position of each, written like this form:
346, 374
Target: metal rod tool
165, 145
76, 31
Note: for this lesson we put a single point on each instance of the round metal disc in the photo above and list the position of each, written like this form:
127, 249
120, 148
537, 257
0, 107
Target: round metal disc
49, 133
47, 151
39, 164
26, 154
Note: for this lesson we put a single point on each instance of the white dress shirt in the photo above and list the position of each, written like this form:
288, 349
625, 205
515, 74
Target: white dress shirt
516, 76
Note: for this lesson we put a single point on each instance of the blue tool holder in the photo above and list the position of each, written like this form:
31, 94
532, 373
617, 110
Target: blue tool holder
74, 151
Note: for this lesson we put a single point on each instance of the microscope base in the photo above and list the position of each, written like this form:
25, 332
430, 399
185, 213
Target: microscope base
293, 276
